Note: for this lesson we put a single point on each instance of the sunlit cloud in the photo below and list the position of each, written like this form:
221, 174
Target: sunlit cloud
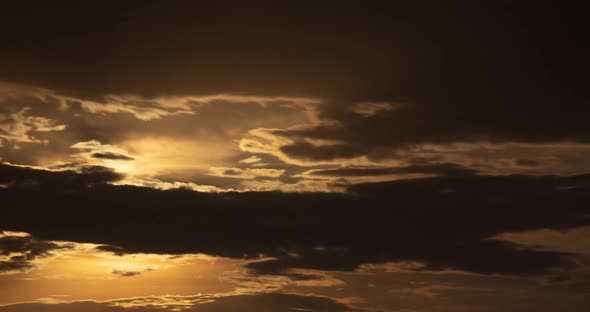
368, 109
147, 109
250, 160
95, 153
247, 173
189, 158
164, 185
265, 141
20, 126
574, 240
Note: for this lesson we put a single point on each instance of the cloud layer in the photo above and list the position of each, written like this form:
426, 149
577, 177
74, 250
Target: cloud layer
443, 223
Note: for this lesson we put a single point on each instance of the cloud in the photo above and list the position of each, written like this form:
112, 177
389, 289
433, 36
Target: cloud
164, 185
275, 302
431, 121
528, 162
112, 249
19, 126
172, 148
154, 108
31, 177
123, 273
111, 156
438, 169
401, 86
269, 135
247, 173
18, 253
368, 109
496, 74
453, 85
204, 303
574, 240
443, 222
95, 150
306, 152
143, 109
251, 160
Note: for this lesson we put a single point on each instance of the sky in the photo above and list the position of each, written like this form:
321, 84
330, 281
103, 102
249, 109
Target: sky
421, 156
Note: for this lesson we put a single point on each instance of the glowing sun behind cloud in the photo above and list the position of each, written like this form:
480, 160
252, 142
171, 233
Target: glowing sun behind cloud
84, 271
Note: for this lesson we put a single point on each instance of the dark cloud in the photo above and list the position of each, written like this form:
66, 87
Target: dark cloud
111, 156
231, 172
22, 250
474, 120
113, 249
438, 169
308, 151
85, 176
123, 273
443, 222
454, 291
528, 162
